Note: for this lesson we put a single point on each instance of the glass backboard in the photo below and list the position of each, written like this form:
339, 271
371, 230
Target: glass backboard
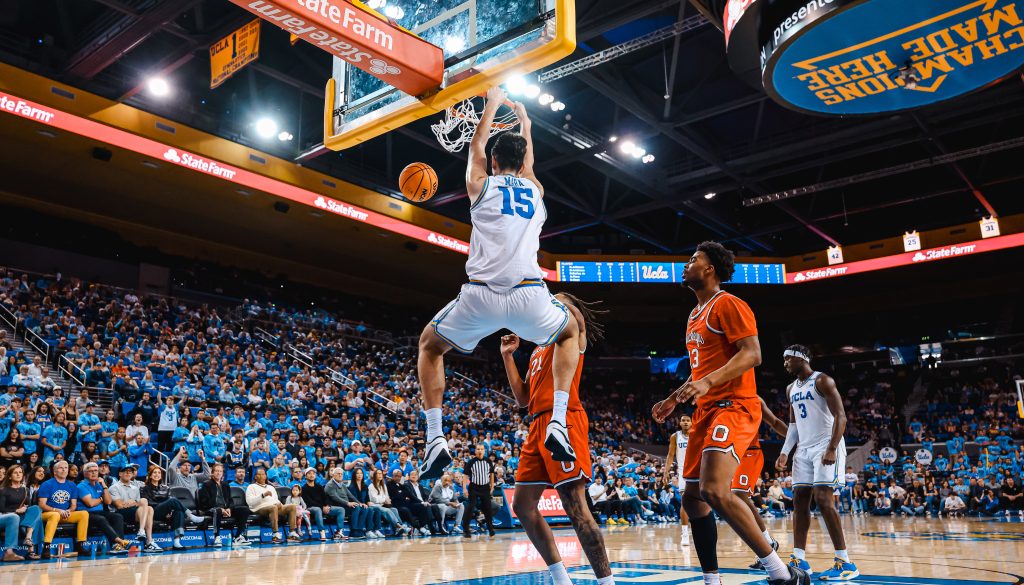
484, 42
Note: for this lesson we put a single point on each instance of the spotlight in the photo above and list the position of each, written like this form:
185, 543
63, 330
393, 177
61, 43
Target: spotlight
613, 139
638, 152
532, 91
515, 85
557, 107
710, 195
158, 86
648, 159
628, 147
284, 136
266, 128
454, 45
546, 99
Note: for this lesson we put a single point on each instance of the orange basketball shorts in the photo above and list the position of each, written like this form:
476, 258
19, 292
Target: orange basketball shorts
726, 426
536, 467
749, 470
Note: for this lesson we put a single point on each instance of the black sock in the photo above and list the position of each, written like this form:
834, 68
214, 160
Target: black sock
705, 540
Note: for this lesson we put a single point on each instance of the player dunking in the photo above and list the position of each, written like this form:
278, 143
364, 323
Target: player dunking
538, 470
677, 451
818, 421
505, 289
721, 339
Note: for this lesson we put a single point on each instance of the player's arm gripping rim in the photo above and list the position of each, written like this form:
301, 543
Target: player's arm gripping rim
525, 126
520, 387
476, 172
826, 386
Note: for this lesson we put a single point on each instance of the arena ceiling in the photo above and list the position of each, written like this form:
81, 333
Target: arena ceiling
709, 131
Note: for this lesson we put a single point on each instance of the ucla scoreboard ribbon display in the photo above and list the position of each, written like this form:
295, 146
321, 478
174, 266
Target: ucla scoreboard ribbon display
661, 272
857, 57
233, 52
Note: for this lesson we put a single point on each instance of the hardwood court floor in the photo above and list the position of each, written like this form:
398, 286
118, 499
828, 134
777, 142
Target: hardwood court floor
888, 551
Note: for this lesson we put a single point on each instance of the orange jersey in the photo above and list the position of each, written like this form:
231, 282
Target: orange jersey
711, 335
542, 382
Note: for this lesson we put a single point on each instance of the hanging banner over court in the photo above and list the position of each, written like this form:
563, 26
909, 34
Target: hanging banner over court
233, 52
360, 36
843, 57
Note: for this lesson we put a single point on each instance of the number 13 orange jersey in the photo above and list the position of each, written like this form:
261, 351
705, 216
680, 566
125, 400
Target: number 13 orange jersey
711, 335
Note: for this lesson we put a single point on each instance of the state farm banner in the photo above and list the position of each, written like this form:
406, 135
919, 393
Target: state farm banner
356, 34
550, 507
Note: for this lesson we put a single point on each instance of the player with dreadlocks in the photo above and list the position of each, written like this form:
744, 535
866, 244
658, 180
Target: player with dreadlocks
537, 469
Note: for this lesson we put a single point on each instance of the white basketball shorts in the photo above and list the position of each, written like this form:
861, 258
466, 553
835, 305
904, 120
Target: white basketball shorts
528, 310
809, 470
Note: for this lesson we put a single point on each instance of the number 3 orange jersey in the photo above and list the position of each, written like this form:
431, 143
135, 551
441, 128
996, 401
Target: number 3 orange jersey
711, 335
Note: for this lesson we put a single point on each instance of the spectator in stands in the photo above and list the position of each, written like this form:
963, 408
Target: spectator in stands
15, 498
166, 508
23, 379
380, 499
127, 500
262, 500
139, 451
409, 508
953, 505
138, 427
776, 498
179, 472
57, 497
359, 489
12, 450
1011, 495
339, 496
214, 499
316, 501
882, 505
45, 382
95, 498
442, 496
167, 423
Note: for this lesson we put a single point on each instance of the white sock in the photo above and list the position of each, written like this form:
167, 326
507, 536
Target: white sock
561, 404
433, 423
775, 567
712, 579
559, 576
768, 537
800, 554
609, 580
843, 554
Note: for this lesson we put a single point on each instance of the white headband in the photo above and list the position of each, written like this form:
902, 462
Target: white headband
797, 354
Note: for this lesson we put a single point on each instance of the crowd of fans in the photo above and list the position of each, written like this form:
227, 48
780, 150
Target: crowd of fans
309, 424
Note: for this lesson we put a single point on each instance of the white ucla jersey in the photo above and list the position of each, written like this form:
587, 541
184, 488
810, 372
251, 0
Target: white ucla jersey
682, 441
810, 412
507, 221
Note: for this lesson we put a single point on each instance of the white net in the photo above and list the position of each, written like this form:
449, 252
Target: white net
455, 130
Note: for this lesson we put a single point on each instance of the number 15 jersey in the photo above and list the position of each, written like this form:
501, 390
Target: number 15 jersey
507, 220
711, 335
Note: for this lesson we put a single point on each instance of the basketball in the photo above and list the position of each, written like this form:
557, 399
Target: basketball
418, 182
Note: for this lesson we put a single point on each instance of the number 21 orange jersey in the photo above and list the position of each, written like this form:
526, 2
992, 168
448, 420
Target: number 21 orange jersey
711, 335
542, 381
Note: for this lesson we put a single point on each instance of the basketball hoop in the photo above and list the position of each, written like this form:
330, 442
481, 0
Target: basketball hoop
456, 128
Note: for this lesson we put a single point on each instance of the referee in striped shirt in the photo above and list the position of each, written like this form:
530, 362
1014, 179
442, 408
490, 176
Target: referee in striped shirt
480, 474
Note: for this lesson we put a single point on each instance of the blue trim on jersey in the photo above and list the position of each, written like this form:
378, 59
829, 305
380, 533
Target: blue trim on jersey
436, 322
530, 282
477, 283
565, 321
480, 197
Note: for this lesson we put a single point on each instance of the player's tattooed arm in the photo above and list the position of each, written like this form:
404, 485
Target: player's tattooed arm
826, 386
